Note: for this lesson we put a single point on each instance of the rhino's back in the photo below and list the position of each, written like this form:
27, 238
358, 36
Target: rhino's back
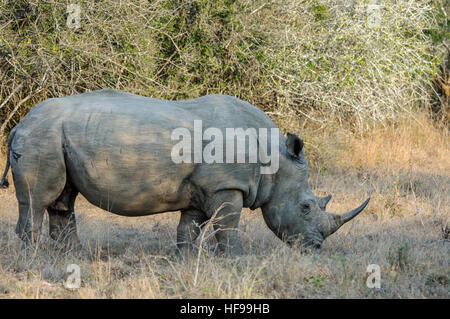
216, 110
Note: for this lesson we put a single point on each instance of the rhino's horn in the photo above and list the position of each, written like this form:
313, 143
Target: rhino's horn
333, 222
323, 201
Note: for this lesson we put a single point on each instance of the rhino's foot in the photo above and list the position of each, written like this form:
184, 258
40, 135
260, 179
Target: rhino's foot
67, 246
63, 229
185, 252
229, 250
64, 235
29, 224
23, 231
71, 243
189, 228
29, 239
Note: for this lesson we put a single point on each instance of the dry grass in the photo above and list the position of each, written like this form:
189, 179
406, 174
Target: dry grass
403, 167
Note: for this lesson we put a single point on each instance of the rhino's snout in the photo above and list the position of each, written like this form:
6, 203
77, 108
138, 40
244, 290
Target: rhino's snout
314, 243
305, 242
311, 244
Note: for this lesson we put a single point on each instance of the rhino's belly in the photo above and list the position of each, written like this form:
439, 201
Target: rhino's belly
130, 180
130, 191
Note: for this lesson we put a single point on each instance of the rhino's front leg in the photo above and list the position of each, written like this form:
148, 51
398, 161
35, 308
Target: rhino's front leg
189, 228
226, 207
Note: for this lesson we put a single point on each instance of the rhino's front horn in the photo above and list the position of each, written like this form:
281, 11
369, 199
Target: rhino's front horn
333, 222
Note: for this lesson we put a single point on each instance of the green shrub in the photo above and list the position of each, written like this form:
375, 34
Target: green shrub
317, 60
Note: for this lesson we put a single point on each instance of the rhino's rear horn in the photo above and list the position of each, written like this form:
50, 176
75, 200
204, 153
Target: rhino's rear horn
323, 201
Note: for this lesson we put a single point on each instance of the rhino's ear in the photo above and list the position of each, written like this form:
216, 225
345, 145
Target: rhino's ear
294, 145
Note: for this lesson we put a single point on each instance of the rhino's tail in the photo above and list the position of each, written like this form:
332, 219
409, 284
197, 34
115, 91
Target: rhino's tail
4, 182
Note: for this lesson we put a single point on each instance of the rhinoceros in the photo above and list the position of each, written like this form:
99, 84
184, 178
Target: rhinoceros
116, 149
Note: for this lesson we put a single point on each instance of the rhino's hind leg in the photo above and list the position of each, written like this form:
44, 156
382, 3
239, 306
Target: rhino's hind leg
30, 222
23, 227
62, 223
189, 228
39, 175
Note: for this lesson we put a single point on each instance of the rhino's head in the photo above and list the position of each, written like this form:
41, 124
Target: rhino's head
293, 212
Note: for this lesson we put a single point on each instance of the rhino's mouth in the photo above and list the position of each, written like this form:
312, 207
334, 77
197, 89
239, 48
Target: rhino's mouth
305, 246
315, 243
299, 241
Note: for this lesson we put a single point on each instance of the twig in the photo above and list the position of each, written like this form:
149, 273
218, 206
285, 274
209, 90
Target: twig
2, 129
12, 93
257, 9
165, 64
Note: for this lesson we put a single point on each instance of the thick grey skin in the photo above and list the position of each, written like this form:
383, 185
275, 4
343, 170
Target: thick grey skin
115, 149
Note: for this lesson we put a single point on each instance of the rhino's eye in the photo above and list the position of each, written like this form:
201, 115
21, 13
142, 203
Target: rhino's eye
306, 207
